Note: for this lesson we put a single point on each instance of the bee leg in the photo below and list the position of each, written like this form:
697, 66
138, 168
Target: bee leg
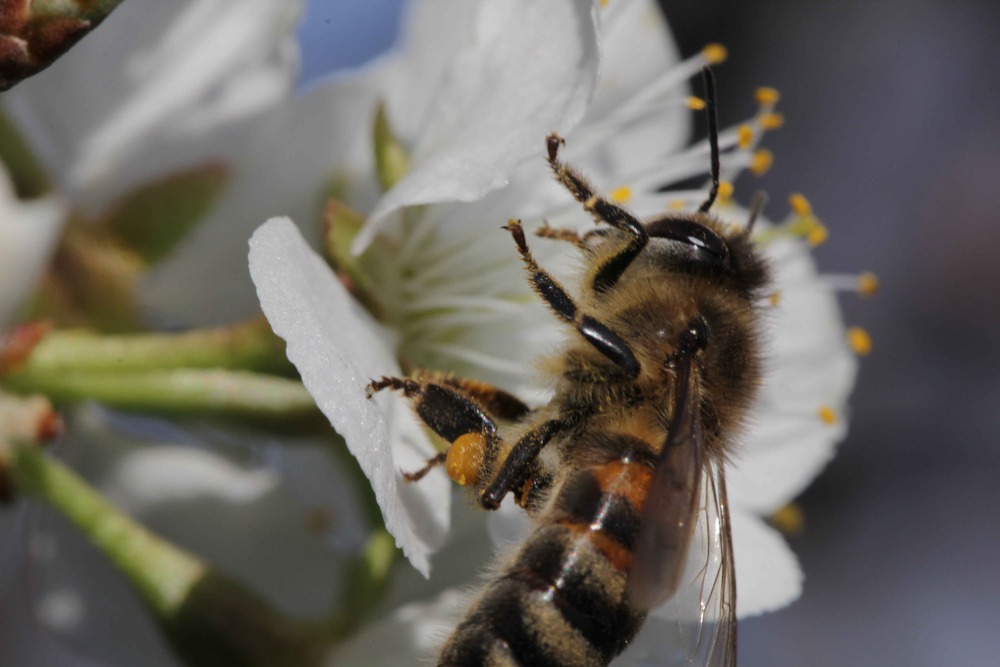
497, 402
610, 269
519, 464
606, 341
454, 416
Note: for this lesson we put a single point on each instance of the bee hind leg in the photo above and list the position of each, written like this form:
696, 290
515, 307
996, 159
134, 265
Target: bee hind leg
455, 416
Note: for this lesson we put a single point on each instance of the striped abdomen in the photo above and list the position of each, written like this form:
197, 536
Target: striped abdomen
562, 601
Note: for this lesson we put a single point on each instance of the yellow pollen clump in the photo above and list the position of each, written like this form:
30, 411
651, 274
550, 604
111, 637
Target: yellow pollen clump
859, 340
744, 135
817, 234
868, 283
715, 54
676, 205
725, 191
695, 103
622, 194
827, 415
775, 298
465, 457
772, 121
790, 519
761, 162
800, 204
765, 95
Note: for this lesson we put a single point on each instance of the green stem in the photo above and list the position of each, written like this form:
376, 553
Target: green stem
248, 346
263, 399
209, 619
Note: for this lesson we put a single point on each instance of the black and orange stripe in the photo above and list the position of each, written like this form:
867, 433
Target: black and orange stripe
562, 601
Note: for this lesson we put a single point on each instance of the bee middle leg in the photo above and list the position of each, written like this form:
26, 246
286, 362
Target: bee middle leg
610, 269
598, 334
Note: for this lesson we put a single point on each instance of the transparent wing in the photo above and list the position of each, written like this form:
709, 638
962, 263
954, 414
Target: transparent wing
697, 626
667, 522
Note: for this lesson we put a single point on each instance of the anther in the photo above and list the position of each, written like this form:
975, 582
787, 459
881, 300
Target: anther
867, 283
715, 54
827, 415
744, 136
817, 234
761, 161
695, 103
859, 340
621, 195
767, 96
771, 121
775, 298
725, 191
800, 204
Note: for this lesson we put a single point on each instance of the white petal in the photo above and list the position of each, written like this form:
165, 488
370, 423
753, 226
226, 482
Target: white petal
768, 576
29, 231
337, 347
172, 72
525, 69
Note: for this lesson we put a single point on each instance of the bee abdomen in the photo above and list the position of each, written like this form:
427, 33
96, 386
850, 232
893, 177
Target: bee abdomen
562, 602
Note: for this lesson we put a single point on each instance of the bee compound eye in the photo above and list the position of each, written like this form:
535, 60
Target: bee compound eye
705, 244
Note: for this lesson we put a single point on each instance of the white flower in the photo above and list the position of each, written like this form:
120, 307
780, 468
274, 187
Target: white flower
455, 297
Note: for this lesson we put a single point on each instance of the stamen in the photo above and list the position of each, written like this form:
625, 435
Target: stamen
817, 234
695, 103
865, 284
790, 519
827, 415
859, 340
725, 192
767, 96
621, 195
771, 121
715, 54
744, 136
800, 204
761, 161
679, 204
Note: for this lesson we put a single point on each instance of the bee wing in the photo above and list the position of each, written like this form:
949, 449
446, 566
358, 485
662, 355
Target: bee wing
669, 515
704, 608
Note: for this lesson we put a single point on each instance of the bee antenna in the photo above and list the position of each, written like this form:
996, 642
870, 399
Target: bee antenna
713, 136
757, 205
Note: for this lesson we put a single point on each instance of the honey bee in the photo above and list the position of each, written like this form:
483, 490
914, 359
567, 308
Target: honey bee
622, 471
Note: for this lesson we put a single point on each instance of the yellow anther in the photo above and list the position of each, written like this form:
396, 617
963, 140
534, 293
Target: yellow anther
695, 103
765, 95
790, 519
868, 283
817, 234
772, 121
604, 3
859, 340
715, 54
775, 298
827, 415
676, 204
744, 135
725, 191
761, 162
622, 194
800, 204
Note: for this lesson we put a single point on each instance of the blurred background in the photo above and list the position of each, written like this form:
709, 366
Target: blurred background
892, 132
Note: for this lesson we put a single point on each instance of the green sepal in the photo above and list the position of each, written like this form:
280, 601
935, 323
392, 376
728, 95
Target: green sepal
392, 162
151, 220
